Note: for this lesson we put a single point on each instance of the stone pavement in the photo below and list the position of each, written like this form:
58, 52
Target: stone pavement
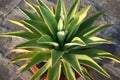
8, 10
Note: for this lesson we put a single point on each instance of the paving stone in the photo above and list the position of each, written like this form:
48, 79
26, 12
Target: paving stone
10, 72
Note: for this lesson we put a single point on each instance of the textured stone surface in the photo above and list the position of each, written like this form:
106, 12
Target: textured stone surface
8, 10
10, 72
114, 72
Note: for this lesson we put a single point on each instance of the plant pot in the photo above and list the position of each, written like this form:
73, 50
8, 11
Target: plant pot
34, 69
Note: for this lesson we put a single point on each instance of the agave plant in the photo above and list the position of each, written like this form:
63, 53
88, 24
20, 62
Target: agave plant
60, 38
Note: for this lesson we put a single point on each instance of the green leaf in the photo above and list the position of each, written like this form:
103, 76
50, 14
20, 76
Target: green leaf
47, 41
42, 70
86, 60
75, 43
78, 40
59, 10
99, 53
37, 59
34, 7
49, 45
23, 57
56, 55
45, 6
41, 26
44, 38
27, 26
34, 44
19, 34
61, 37
94, 41
21, 50
69, 46
98, 39
28, 44
69, 73
53, 9
26, 50
64, 9
50, 21
53, 72
73, 61
72, 11
60, 25
30, 15
96, 29
21, 67
59, 72
86, 74
74, 26
88, 23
